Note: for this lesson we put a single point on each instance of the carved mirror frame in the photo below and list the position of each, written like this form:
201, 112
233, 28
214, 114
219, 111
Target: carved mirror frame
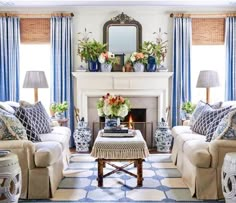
123, 20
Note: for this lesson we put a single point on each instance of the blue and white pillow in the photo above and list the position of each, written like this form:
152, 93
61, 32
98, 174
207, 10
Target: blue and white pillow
201, 107
227, 127
35, 120
214, 124
10, 127
208, 117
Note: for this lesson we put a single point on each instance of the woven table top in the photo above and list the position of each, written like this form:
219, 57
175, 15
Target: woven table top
120, 147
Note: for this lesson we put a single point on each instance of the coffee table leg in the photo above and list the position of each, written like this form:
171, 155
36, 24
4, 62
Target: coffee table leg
100, 172
139, 172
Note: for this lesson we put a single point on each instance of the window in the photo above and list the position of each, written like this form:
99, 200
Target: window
208, 57
35, 57
208, 53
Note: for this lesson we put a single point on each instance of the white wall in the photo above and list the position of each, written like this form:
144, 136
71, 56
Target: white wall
93, 18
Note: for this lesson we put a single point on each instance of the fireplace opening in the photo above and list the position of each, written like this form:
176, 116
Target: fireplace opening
138, 116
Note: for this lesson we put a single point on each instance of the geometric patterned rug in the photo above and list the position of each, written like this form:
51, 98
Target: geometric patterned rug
162, 183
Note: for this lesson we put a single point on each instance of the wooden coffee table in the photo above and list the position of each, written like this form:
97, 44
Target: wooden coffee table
131, 150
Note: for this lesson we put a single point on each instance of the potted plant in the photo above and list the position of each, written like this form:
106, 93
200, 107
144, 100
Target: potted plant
52, 109
107, 59
90, 51
188, 108
138, 60
60, 109
156, 51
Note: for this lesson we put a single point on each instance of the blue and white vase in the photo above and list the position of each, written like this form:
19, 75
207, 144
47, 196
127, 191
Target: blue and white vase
112, 122
138, 67
59, 115
93, 66
106, 67
163, 137
151, 66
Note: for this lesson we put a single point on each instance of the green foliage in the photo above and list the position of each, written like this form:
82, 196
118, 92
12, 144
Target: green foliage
59, 107
53, 107
90, 50
188, 107
158, 50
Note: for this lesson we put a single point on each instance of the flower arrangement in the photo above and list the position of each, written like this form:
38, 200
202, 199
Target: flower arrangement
107, 57
138, 57
113, 106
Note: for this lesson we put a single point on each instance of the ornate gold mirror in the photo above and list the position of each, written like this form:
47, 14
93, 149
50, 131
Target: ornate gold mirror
122, 34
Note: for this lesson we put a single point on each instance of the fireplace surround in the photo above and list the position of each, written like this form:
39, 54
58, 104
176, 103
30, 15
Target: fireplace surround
89, 86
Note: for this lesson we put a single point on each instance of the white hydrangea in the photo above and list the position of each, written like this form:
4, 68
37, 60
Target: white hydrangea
100, 112
107, 110
101, 59
132, 57
123, 111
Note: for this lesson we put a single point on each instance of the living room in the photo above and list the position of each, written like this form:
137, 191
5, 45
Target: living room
48, 40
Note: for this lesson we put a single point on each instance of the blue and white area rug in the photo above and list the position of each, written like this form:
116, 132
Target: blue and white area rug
162, 183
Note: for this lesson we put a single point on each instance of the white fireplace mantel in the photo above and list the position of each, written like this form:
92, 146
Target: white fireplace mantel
138, 84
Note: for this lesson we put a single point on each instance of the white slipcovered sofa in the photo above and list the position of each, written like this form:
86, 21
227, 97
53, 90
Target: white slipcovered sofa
41, 163
200, 162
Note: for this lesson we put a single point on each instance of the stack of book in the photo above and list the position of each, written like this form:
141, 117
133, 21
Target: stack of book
117, 132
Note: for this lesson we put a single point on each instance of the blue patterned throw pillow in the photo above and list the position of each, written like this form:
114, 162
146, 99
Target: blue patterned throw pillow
214, 124
227, 127
35, 120
201, 107
208, 117
10, 127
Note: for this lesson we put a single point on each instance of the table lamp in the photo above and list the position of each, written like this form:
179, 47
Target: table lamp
35, 79
208, 79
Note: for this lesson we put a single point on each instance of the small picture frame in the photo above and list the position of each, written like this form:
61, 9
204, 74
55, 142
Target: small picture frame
118, 67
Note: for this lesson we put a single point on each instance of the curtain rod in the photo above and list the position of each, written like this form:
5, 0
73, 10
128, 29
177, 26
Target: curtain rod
36, 15
186, 15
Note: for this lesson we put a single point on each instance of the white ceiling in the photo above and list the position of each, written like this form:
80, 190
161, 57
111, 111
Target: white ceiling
60, 3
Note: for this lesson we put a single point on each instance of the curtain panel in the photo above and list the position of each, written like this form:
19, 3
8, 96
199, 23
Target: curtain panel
230, 44
9, 58
181, 89
61, 49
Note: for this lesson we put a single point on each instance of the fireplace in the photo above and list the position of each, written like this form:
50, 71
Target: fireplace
143, 113
145, 90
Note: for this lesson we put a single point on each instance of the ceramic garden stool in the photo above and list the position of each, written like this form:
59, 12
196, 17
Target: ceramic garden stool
10, 178
82, 137
228, 177
163, 137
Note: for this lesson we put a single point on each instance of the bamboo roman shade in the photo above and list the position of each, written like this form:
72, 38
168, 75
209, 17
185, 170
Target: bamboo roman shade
35, 30
208, 31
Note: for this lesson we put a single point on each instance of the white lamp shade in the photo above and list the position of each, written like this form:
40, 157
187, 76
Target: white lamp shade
208, 78
35, 79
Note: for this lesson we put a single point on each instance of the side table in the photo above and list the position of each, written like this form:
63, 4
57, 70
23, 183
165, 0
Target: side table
10, 176
61, 122
228, 177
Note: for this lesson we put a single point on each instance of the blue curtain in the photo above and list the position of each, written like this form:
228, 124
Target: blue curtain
61, 44
230, 42
9, 58
181, 89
